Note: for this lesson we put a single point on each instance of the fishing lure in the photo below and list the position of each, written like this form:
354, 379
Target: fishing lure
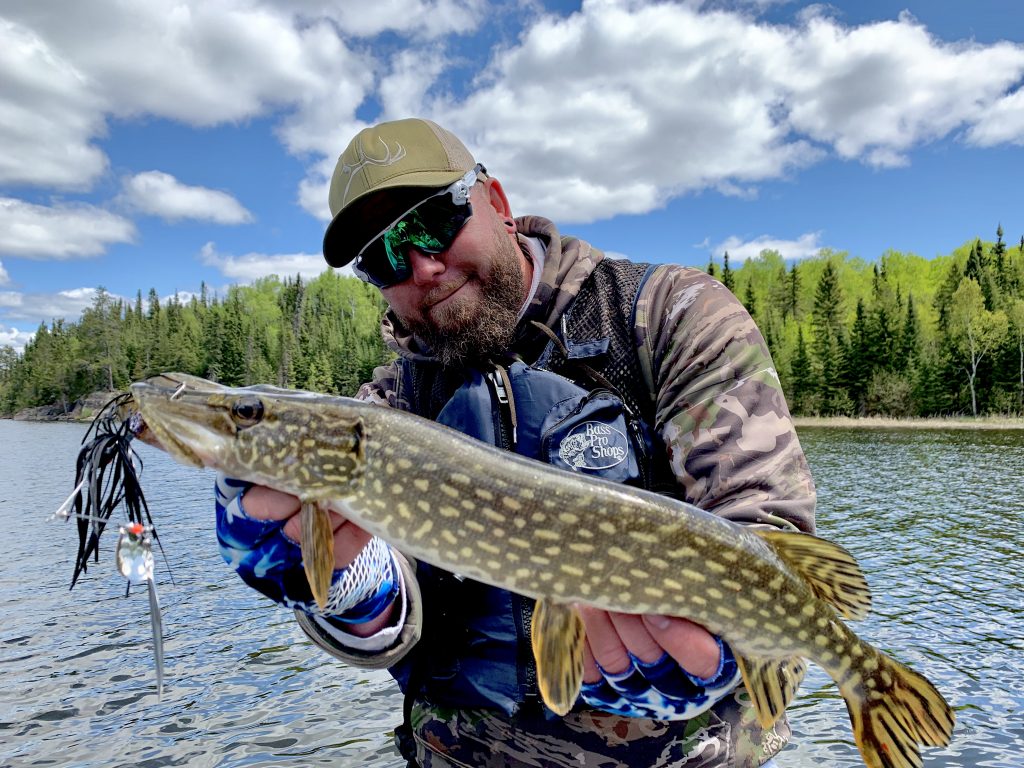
107, 477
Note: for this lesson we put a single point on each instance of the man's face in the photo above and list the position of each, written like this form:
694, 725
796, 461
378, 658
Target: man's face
463, 303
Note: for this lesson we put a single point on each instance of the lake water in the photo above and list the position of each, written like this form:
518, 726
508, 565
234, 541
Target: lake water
936, 520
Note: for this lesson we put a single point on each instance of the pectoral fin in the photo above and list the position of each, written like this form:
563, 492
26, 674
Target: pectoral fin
557, 636
317, 549
772, 684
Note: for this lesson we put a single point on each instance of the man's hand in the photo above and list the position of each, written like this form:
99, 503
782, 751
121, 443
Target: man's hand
262, 503
259, 533
612, 636
661, 667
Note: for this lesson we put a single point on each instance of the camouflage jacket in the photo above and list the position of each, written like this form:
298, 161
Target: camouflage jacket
721, 413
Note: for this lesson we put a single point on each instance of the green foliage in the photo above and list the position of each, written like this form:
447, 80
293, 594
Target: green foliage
900, 336
889, 393
323, 335
892, 337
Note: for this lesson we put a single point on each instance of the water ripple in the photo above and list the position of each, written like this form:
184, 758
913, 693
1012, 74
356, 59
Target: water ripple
936, 520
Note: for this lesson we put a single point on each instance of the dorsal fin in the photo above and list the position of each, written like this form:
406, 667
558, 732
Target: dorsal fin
772, 684
830, 570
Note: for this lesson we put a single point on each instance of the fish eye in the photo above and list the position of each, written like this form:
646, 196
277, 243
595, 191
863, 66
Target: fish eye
247, 412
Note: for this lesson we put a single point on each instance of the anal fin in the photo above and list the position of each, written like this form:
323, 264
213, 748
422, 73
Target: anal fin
557, 636
772, 684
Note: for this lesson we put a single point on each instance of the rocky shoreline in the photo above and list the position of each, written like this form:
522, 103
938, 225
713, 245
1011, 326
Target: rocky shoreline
82, 410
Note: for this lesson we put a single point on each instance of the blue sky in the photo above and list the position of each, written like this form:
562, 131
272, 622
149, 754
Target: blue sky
183, 141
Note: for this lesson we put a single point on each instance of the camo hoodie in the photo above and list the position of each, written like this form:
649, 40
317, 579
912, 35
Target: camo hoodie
721, 413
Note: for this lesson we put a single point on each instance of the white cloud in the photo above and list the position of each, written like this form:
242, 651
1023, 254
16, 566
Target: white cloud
312, 194
252, 266
49, 113
419, 18
162, 195
1002, 122
4, 277
616, 108
402, 92
876, 91
59, 232
14, 337
201, 63
740, 250
46, 307
623, 105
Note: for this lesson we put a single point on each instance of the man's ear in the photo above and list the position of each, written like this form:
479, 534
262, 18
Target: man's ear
499, 202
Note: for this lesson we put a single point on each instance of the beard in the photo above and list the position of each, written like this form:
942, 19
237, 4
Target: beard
476, 328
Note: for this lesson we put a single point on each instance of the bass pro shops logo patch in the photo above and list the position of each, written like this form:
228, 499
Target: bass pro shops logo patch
593, 446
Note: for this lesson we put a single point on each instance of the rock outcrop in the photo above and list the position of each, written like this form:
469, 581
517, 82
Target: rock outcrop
83, 409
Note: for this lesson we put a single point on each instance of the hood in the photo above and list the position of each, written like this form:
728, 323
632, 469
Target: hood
568, 262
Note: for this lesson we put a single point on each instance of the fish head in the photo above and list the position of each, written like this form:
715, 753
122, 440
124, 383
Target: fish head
298, 442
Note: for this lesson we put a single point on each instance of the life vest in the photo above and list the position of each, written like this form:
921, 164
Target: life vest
581, 406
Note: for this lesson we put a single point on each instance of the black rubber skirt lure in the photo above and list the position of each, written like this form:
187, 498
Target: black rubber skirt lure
107, 478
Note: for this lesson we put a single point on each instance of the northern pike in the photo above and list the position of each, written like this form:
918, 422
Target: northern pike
560, 537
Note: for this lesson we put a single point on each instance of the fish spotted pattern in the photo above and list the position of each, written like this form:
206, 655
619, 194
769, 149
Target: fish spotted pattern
776, 597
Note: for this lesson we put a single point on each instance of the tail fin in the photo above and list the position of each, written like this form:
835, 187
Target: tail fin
894, 710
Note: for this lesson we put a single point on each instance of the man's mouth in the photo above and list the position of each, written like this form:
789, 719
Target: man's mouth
442, 293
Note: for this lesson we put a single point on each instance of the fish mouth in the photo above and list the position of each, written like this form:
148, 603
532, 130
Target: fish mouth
161, 422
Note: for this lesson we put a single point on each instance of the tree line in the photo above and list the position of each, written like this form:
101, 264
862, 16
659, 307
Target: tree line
321, 335
903, 336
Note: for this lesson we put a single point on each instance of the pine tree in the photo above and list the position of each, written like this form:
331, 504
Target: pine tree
750, 301
944, 296
778, 295
234, 342
859, 363
910, 337
883, 326
100, 332
828, 342
728, 278
802, 376
979, 270
712, 268
793, 303
999, 261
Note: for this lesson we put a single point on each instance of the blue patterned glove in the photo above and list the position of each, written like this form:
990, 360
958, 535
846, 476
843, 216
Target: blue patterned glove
662, 690
271, 563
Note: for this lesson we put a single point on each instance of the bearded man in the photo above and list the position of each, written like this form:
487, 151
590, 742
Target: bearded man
535, 342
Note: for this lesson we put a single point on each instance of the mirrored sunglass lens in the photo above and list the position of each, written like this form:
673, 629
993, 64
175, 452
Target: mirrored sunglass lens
429, 228
383, 265
442, 219
415, 231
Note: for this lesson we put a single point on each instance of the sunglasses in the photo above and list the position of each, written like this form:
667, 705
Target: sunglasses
430, 226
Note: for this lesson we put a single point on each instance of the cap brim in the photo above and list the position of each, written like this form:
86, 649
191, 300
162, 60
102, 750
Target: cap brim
365, 217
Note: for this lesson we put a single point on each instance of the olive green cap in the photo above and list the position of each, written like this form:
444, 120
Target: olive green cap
406, 156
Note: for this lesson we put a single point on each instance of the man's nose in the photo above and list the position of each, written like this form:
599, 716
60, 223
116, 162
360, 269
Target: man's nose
425, 266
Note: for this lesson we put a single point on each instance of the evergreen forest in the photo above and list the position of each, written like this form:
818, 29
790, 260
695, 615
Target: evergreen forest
322, 335
904, 336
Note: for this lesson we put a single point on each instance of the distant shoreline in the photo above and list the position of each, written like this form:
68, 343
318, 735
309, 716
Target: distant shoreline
86, 408
935, 422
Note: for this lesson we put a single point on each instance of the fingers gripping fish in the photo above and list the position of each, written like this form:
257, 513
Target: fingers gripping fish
777, 598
